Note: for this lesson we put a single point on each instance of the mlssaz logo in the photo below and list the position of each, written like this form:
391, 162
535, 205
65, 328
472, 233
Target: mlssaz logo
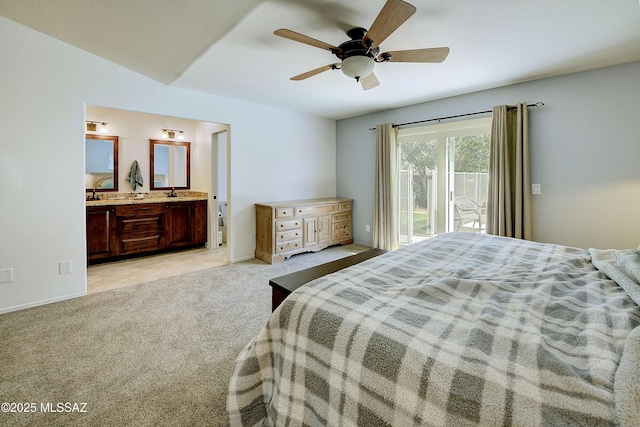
63, 407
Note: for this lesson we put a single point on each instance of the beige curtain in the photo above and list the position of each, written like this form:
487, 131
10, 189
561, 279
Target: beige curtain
385, 216
509, 200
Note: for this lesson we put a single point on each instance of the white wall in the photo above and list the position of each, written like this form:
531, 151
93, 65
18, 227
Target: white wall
585, 151
45, 85
134, 130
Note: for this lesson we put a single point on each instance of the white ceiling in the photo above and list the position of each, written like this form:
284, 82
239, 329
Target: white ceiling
227, 47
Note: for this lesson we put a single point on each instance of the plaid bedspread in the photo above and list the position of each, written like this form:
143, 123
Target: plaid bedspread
462, 329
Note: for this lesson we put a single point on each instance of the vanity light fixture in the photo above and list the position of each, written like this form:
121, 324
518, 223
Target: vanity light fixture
93, 126
171, 133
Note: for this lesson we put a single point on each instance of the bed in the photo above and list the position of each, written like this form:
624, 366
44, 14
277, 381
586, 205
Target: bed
461, 329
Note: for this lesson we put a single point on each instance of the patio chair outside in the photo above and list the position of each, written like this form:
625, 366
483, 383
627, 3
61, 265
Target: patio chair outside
466, 211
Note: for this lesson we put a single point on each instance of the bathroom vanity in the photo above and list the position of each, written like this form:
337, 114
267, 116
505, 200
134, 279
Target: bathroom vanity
119, 229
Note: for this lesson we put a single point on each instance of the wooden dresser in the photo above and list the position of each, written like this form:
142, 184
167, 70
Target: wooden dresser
288, 228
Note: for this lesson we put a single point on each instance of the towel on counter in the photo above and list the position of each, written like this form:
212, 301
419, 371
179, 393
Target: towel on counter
135, 176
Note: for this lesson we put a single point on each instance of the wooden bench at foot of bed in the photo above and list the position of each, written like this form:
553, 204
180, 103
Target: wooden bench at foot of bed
282, 286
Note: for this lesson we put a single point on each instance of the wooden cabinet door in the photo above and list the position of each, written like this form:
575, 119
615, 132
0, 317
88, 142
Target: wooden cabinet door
200, 222
309, 231
178, 226
324, 232
100, 232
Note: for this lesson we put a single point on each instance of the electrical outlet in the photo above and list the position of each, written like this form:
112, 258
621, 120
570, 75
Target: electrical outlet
252, 237
64, 267
6, 275
367, 228
535, 189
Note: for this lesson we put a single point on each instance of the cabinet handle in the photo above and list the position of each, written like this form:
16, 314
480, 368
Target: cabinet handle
141, 209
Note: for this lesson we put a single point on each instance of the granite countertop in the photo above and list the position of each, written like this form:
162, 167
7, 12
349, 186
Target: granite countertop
107, 202
128, 199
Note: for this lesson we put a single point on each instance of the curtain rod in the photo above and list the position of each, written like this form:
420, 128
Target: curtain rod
537, 105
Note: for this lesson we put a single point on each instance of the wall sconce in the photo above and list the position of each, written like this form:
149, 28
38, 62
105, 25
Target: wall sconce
93, 126
171, 133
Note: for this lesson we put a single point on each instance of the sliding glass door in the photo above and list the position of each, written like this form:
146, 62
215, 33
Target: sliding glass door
443, 178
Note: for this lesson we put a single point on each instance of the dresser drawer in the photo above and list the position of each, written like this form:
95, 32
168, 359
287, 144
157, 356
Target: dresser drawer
316, 209
285, 236
343, 216
344, 206
146, 225
288, 225
342, 230
140, 244
288, 246
140, 210
284, 212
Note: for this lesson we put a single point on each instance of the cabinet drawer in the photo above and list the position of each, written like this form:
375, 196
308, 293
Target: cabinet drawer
345, 206
288, 246
146, 225
288, 225
341, 230
285, 236
284, 212
316, 209
141, 209
343, 216
140, 244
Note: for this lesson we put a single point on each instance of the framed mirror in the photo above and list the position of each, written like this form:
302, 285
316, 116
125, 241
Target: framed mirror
170, 164
101, 162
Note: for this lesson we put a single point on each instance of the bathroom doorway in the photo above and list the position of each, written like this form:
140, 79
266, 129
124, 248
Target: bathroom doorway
220, 175
134, 130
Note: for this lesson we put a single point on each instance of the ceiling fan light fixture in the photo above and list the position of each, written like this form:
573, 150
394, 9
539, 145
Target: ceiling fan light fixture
357, 66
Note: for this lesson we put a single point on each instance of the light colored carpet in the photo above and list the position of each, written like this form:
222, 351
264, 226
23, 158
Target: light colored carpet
158, 353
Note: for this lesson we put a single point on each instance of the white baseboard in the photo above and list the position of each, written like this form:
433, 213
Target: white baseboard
41, 302
247, 258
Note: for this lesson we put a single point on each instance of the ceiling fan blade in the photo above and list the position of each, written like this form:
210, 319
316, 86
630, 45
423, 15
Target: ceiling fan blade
393, 14
369, 82
435, 54
292, 35
314, 72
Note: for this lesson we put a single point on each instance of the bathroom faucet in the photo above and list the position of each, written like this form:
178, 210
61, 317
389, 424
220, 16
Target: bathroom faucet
173, 193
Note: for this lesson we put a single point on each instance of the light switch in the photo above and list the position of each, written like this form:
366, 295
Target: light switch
6, 275
64, 267
535, 189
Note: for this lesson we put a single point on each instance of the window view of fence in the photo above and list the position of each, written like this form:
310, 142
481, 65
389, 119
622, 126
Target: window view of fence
417, 206
443, 186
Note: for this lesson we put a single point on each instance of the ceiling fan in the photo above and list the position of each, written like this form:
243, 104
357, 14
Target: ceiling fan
359, 55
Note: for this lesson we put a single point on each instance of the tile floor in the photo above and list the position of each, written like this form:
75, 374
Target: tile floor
113, 275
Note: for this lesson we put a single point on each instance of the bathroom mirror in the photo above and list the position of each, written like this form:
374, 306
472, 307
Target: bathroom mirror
170, 164
101, 162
